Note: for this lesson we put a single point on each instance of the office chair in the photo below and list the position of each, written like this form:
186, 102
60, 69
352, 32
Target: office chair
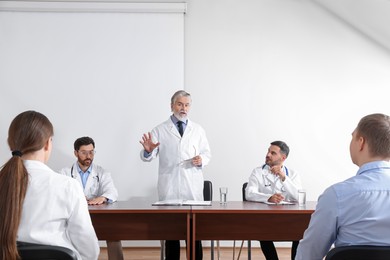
359, 253
207, 196
30, 251
208, 191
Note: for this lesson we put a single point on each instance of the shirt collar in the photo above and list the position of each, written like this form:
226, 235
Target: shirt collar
175, 120
81, 171
373, 165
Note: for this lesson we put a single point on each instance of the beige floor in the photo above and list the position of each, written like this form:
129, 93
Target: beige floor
225, 254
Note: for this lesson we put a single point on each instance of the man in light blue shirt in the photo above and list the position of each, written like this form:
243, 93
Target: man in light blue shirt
357, 210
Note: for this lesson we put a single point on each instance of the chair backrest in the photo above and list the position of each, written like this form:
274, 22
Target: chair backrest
208, 191
243, 191
359, 253
30, 251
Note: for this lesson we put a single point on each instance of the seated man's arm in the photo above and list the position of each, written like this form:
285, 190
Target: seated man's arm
292, 184
257, 190
108, 188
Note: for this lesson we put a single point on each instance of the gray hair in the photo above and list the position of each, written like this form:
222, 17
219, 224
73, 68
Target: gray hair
179, 93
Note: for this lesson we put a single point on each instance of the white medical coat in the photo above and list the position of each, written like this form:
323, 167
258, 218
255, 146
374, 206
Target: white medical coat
263, 184
178, 178
55, 212
99, 182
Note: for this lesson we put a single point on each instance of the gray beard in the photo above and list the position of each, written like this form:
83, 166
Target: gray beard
183, 119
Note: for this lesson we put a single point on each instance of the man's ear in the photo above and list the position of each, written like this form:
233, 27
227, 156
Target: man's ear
75, 153
362, 142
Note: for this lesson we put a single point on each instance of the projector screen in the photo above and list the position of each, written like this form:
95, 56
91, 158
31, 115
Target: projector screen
104, 70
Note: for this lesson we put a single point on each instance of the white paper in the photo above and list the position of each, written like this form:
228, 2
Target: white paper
182, 203
197, 203
280, 203
168, 203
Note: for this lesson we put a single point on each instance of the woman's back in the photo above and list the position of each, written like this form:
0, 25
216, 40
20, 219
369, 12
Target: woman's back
36, 204
55, 212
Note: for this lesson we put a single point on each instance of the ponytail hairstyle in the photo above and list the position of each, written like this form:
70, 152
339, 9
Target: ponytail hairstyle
28, 132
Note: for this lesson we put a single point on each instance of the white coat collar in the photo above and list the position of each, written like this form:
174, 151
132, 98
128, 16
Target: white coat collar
76, 174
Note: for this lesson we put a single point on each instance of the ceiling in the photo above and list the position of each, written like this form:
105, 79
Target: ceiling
370, 17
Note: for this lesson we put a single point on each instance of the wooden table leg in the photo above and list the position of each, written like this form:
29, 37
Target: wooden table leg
114, 250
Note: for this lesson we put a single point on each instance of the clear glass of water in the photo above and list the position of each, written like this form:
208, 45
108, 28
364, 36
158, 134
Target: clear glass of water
301, 197
223, 195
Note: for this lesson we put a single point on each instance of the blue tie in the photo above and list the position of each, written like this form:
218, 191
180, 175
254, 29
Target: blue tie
180, 125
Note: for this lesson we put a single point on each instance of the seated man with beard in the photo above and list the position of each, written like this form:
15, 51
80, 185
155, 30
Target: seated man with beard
97, 183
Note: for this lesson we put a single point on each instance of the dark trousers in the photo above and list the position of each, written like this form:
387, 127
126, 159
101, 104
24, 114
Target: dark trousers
172, 250
270, 253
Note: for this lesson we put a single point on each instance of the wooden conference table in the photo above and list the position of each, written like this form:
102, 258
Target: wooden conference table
139, 220
237, 220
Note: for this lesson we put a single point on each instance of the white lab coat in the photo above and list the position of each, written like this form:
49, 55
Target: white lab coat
178, 178
99, 182
263, 184
55, 212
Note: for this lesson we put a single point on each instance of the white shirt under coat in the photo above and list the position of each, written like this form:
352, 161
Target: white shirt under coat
178, 178
55, 212
263, 184
99, 182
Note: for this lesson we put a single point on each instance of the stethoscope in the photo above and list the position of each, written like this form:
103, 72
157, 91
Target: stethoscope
74, 177
266, 181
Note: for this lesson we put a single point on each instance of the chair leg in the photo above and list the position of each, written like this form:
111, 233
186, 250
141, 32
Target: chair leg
249, 250
114, 250
212, 249
239, 252
234, 249
162, 251
218, 253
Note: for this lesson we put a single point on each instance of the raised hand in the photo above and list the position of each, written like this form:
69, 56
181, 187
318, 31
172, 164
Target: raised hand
147, 143
277, 170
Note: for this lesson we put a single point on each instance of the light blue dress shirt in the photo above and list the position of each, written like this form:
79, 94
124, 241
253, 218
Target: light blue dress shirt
84, 175
353, 212
175, 120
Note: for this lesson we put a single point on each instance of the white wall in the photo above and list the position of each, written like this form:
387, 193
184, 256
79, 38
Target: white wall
368, 16
280, 69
